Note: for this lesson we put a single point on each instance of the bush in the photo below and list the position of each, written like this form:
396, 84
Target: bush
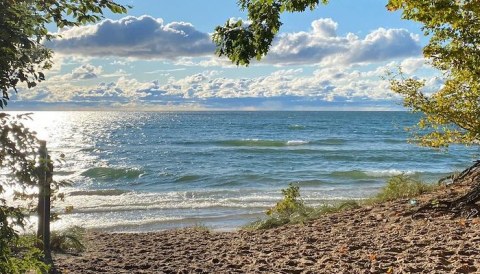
68, 240
291, 209
329, 209
20, 165
18, 253
290, 205
402, 187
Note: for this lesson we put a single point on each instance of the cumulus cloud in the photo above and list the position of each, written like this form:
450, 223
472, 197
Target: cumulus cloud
285, 88
411, 65
146, 37
86, 72
326, 84
83, 72
138, 37
322, 45
381, 45
330, 84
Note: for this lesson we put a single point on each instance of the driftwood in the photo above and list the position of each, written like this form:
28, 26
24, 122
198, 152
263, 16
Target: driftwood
465, 205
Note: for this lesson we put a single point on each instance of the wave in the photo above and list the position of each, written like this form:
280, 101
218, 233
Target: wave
330, 141
87, 149
296, 127
300, 150
109, 173
394, 141
312, 182
176, 205
251, 142
359, 174
98, 192
63, 173
188, 178
261, 143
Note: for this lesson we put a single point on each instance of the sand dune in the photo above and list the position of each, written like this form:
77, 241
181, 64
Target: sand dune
372, 239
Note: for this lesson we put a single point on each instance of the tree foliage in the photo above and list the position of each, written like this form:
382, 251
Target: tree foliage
23, 30
451, 114
242, 41
18, 157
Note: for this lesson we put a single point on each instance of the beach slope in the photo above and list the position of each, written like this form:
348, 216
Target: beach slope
383, 238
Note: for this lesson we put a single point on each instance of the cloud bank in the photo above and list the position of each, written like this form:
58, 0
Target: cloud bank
322, 45
136, 37
146, 37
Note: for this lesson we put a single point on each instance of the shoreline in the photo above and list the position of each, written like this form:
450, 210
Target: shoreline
383, 238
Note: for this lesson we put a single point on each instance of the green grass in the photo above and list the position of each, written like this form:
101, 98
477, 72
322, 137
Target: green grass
303, 216
68, 240
401, 187
199, 227
292, 210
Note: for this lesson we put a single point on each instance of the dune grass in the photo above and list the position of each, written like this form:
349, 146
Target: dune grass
401, 187
69, 240
291, 209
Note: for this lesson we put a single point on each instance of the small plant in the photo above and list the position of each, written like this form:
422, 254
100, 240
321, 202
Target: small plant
19, 254
68, 240
200, 227
402, 186
329, 209
290, 205
292, 210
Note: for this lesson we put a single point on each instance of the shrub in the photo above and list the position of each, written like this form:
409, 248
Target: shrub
290, 209
329, 209
290, 205
19, 254
402, 186
68, 240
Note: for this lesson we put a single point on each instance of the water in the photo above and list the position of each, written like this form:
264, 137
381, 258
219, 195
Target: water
146, 171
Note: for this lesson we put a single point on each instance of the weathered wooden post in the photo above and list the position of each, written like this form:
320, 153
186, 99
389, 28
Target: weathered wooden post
45, 178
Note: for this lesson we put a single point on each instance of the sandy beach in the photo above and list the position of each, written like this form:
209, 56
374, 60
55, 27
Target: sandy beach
385, 238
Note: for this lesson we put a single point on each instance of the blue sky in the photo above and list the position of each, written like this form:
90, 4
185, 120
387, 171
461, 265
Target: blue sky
160, 56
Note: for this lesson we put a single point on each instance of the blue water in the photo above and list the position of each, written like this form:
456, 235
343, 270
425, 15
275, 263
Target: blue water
145, 171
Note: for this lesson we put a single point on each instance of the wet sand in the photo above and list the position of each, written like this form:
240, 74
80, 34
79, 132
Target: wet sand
384, 238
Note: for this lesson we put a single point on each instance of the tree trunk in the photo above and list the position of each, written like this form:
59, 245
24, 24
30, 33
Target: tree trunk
466, 205
468, 202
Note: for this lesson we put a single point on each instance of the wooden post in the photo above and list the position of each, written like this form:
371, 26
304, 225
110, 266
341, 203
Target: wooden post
45, 178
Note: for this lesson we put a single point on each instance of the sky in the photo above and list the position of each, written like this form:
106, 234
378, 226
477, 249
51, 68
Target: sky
159, 56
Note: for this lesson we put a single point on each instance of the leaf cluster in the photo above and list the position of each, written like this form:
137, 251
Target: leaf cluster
19, 254
243, 41
21, 168
68, 240
401, 187
292, 210
23, 30
290, 204
452, 113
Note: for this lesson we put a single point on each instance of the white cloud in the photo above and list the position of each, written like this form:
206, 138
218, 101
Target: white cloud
161, 71
411, 65
322, 45
146, 37
86, 72
290, 88
83, 72
119, 63
138, 37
